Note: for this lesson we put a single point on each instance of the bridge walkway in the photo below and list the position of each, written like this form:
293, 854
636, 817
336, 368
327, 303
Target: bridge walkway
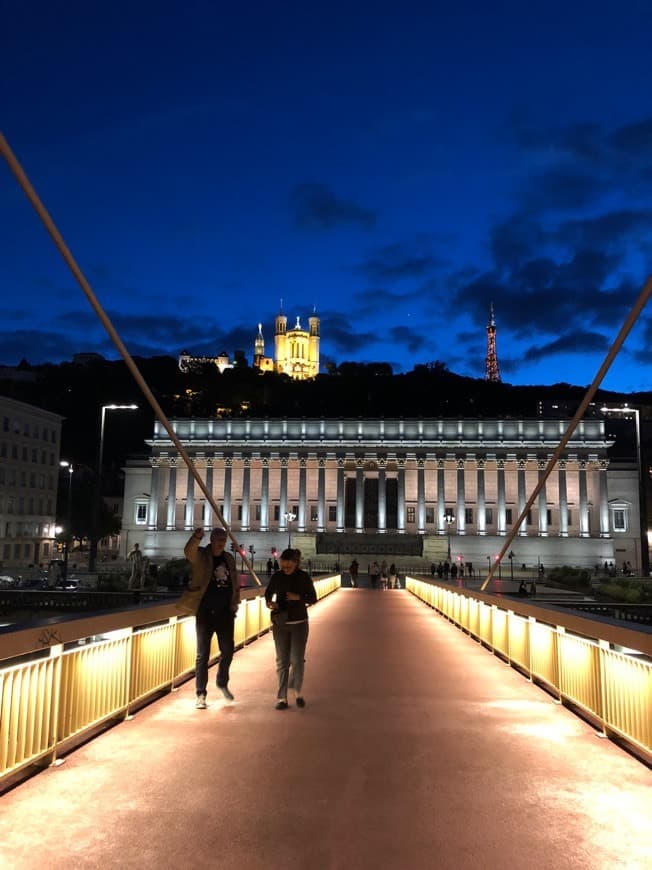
417, 749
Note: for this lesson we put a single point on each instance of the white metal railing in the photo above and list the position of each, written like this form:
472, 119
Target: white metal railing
601, 668
61, 680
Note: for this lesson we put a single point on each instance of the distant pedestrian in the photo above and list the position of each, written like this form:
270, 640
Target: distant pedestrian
392, 578
353, 572
270, 567
374, 574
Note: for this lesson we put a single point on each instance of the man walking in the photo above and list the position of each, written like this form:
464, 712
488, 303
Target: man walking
214, 596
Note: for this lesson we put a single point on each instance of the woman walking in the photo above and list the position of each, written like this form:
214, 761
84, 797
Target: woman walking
289, 593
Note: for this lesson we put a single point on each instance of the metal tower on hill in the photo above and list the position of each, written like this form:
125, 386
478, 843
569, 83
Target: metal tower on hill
491, 370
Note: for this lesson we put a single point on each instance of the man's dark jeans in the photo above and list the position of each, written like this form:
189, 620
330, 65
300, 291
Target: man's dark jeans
207, 624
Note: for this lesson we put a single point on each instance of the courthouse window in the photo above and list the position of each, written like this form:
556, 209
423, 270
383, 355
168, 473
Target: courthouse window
313, 513
468, 516
619, 520
410, 515
488, 516
430, 516
141, 513
277, 513
257, 512
332, 513
549, 517
508, 516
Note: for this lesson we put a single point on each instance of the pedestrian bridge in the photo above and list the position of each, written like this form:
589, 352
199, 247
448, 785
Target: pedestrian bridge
420, 747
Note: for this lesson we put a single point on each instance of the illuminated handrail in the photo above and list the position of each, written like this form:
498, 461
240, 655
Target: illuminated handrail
85, 672
570, 655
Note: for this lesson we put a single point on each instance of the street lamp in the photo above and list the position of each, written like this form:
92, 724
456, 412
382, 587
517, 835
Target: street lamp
92, 557
449, 518
645, 567
290, 517
68, 465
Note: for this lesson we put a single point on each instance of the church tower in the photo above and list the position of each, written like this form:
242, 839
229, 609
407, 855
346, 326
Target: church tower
491, 370
313, 344
259, 344
280, 340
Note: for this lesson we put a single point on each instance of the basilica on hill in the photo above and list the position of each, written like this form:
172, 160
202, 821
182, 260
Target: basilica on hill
296, 351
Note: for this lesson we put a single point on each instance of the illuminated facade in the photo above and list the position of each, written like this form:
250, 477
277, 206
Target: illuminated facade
30, 441
296, 350
385, 486
187, 361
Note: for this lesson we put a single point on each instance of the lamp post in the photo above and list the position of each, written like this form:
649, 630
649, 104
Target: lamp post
68, 465
644, 558
92, 557
290, 517
449, 518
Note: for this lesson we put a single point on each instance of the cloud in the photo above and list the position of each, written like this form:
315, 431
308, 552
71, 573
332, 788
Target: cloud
342, 335
611, 229
398, 262
572, 342
563, 188
407, 337
634, 139
44, 346
317, 208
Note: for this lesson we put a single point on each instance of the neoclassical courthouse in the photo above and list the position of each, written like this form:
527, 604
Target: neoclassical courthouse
401, 489
383, 487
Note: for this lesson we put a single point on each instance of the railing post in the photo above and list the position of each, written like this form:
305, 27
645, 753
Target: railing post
560, 631
603, 646
56, 653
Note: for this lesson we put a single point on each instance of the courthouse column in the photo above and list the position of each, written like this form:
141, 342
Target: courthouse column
481, 519
189, 518
246, 493
563, 499
359, 495
283, 495
172, 496
321, 495
522, 465
301, 524
461, 498
543, 501
400, 524
228, 469
500, 481
421, 496
208, 511
584, 501
441, 498
154, 495
264, 494
604, 499
340, 495
382, 496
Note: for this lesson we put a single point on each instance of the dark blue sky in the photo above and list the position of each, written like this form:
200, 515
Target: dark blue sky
397, 166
